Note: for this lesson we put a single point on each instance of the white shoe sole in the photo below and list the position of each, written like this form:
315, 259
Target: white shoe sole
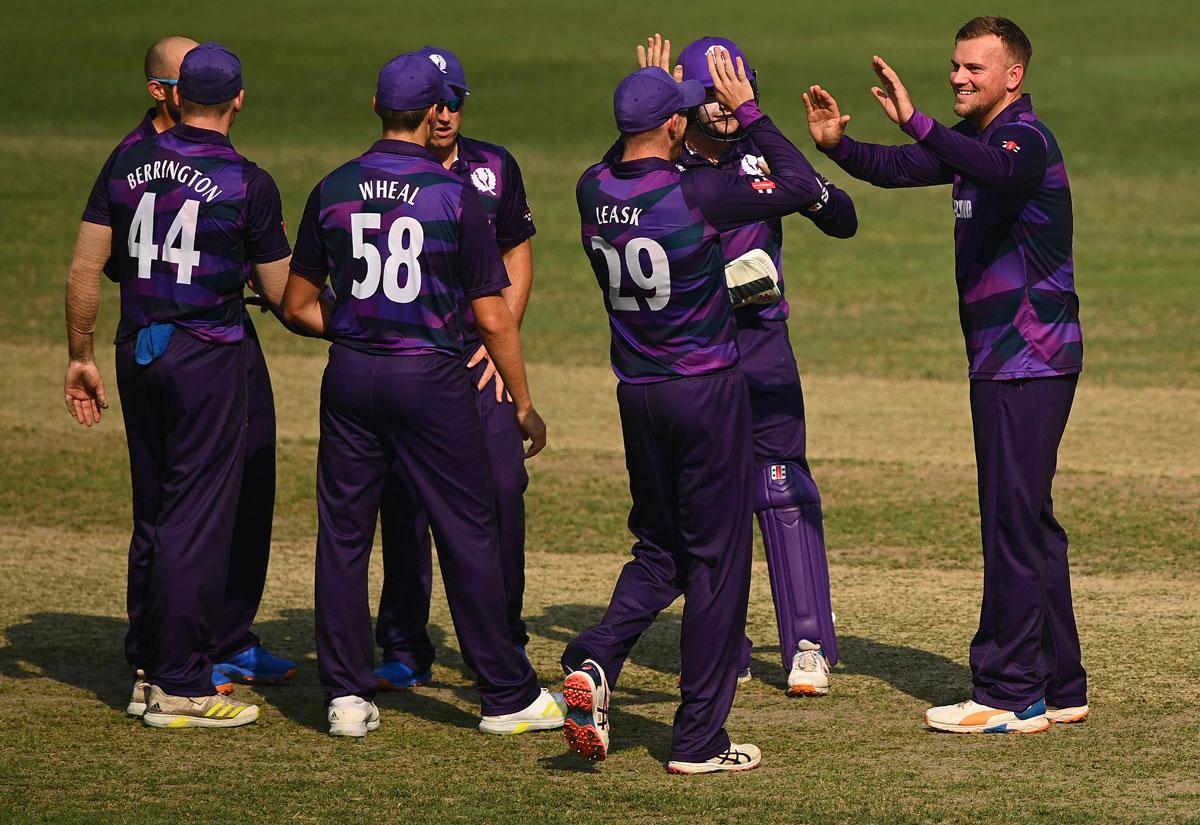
1037, 724
514, 726
358, 731
707, 767
173, 720
1068, 716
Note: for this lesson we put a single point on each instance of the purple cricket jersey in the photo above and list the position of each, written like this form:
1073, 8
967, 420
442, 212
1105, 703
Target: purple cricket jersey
99, 194
652, 230
189, 218
403, 241
494, 173
746, 159
1012, 234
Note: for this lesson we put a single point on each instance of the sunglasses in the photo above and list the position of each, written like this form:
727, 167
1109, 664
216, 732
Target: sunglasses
166, 81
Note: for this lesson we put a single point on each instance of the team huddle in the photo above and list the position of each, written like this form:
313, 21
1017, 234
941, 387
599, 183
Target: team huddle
414, 260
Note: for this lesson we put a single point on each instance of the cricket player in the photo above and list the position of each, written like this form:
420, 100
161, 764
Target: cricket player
403, 239
180, 220
652, 231
786, 500
239, 654
1020, 318
407, 563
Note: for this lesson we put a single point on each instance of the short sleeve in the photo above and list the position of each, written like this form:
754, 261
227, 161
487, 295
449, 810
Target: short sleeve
310, 257
266, 240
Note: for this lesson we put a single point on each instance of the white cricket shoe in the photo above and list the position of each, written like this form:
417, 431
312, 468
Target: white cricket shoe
352, 716
216, 711
736, 758
972, 717
546, 712
586, 727
809, 675
1066, 716
137, 702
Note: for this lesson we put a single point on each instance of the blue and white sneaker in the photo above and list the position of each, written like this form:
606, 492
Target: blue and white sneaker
257, 666
972, 717
399, 676
586, 694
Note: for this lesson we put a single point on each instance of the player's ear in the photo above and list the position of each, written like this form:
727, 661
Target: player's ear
1016, 74
175, 96
156, 90
239, 100
375, 104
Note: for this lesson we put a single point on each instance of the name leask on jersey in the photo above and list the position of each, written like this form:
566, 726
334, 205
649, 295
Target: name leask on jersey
618, 214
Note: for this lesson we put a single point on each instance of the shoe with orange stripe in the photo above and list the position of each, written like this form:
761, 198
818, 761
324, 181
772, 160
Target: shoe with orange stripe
972, 717
585, 693
257, 666
216, 711
1067, 716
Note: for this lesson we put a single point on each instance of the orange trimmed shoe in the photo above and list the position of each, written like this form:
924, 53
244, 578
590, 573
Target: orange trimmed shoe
585, 692
809, 675
972, 717
1067, 716
256, 666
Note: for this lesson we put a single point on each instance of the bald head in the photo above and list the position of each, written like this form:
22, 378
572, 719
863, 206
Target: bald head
164, 57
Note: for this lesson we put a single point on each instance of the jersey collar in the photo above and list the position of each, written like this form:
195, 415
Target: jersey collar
403, 147
197, 135
1011, 113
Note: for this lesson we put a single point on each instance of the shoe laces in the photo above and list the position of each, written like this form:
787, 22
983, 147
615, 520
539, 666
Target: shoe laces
807, 660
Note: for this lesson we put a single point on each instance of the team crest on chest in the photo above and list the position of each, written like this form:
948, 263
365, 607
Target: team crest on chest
484, 180
751, 165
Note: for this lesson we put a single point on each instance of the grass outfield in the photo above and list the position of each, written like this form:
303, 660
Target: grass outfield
876, 334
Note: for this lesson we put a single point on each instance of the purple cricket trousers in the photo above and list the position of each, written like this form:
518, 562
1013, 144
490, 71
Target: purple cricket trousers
1027, 646
407, 559
251, 544
185, 421
415, 414
688, 451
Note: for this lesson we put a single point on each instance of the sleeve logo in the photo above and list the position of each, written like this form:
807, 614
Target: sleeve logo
1010, 146
484, 180
763, 185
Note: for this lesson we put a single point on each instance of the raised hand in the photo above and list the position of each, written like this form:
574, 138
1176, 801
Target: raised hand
656, 52
893, 97
826, 123
730, 83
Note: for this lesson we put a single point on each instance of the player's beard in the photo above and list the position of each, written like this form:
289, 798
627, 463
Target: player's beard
173, 110
977, 104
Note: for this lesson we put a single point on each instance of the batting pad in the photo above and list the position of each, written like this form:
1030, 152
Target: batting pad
752, 279
788, 507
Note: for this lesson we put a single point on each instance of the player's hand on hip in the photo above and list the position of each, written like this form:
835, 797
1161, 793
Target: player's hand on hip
84, 391
826, 123
534, 429
656, 52
730, 83
892, 96
489, 373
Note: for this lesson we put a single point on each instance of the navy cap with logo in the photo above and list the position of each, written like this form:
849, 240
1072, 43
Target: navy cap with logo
210, 74
411, 81
449, 65
645, 99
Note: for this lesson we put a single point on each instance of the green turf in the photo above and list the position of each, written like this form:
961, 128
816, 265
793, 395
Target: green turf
1114, 82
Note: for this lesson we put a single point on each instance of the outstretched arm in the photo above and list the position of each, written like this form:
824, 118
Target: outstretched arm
1014, 159
886, 166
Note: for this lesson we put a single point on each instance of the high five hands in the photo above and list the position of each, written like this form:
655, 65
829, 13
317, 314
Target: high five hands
730, 84
827, 124
893, 97
657, 52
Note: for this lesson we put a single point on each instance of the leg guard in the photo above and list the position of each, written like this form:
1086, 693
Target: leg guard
788, 507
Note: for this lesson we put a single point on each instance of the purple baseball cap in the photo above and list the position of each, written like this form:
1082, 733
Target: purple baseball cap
410, 81
645, 99
449, 65
210, 73
694, 59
